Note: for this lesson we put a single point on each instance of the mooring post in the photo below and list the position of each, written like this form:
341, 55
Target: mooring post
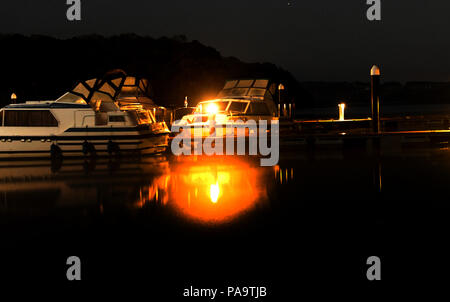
375, 98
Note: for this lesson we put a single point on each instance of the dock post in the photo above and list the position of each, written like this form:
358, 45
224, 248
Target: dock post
375, 98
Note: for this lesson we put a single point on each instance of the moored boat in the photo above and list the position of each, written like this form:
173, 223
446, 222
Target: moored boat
238, 102
79, 124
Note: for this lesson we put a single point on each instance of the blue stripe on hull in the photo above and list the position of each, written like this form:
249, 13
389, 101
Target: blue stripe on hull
85, 137
47, 153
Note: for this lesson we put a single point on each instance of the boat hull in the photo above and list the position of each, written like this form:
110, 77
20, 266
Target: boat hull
84, 142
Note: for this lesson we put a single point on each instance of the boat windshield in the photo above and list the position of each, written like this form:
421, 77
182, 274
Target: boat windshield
212, 107
71, 98
144, 117
237, 107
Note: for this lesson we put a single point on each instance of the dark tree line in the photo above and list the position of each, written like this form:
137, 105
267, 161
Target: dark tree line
42, 67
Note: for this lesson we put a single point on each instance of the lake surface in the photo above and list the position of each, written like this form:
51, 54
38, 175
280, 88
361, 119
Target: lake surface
169, 222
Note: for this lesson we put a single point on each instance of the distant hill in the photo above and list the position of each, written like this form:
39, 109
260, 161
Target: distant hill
42, 67
324, 94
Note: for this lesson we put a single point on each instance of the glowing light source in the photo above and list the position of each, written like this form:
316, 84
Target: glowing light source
341, 111
375, 71
214, 192
212, 108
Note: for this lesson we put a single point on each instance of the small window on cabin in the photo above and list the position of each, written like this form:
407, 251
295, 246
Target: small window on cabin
30, 118
258, 109
117, 119
1, 118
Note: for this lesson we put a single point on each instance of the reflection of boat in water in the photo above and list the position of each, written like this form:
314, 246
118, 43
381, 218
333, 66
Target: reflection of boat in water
238, 102
209, 190
37, 186
85, 120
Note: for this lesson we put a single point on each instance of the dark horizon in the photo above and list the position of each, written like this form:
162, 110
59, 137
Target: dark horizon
324, 41
177, 37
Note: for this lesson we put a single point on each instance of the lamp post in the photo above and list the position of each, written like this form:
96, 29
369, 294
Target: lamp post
341, 111
13, 98
375, 98
280, 87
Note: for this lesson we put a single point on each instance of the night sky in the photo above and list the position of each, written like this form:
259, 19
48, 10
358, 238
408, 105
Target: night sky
320, 40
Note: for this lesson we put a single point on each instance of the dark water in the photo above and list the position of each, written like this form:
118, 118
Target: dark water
160, 224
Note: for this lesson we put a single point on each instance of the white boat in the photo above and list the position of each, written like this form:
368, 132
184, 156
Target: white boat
79, 123
239, 101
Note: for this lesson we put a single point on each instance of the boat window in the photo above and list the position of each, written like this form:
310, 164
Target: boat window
30, 118
257, 92
1, 118
117, 118
233, 92
244, 88
261, 83
245, 83
130, 81
258, 109
239, 91
237, 107
106, 88
230, 84
81, 89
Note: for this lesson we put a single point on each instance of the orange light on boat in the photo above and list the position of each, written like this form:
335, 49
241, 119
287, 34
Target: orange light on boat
212, 109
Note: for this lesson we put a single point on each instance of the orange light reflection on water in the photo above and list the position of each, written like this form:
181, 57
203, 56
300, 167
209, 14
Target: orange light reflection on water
209, 190
223, 189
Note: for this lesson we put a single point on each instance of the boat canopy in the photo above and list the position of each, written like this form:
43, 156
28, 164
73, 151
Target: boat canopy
123, 89
98, 100
247, 89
